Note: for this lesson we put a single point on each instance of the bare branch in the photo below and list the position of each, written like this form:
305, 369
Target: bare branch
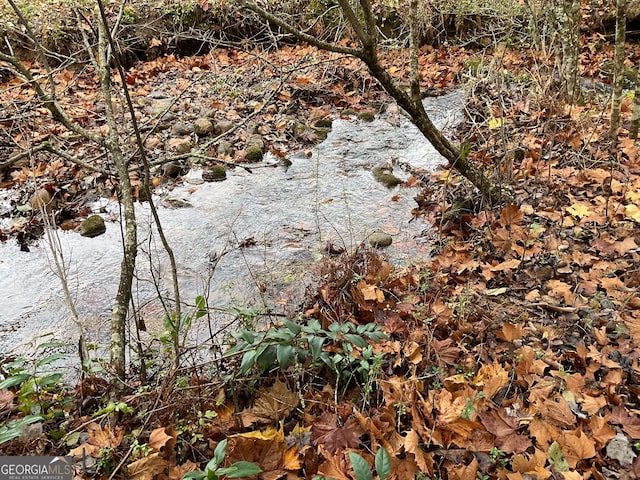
58, 113
48, 147
310, 39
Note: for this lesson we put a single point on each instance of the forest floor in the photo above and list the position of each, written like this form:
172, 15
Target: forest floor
512, 354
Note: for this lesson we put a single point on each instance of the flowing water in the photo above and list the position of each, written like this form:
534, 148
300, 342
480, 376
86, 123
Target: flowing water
263, 231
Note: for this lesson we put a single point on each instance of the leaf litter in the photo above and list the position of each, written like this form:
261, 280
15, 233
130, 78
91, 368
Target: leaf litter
512, 354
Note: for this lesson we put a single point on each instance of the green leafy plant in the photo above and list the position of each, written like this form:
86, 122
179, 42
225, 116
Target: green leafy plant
13, 429
213, 470
363, 471
40, 394
291, 343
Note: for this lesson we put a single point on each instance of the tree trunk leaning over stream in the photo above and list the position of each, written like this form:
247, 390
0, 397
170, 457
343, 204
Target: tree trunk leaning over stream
363, 22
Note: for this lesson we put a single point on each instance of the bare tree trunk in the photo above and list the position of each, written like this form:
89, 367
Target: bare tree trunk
616, 100
567, 15
363, 22
635, 116
120, 307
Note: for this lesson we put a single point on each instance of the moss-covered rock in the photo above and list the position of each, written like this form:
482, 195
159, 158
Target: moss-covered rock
254, 154
217, 173
384, 175
367, 116
321, 133
323, 123
92, 226
203, 126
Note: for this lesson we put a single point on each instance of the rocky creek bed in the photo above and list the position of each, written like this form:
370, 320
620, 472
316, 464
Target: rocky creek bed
262, 231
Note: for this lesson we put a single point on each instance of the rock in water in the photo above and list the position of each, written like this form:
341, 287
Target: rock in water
92, 226
254, 154
217, 173
380, 239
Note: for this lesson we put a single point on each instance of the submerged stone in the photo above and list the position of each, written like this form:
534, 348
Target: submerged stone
385, 176
367, 116
92, 226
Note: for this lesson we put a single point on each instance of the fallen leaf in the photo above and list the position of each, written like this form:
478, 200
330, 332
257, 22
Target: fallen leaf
576, 446
505, 428
334, 437
147, 467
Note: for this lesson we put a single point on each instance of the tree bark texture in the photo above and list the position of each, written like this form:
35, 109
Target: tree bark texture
616, 100
635, 115
567, 15
121, 302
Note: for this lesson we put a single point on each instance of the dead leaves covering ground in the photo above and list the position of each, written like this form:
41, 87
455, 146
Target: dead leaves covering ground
513, 354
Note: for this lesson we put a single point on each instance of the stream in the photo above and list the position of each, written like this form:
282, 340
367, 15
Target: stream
262, 231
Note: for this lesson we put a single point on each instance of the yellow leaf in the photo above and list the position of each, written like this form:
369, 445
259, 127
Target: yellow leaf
579, 210
291, 460
495, 123
268, 434
632, 211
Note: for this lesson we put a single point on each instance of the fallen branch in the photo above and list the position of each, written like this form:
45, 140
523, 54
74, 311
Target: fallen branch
48, 147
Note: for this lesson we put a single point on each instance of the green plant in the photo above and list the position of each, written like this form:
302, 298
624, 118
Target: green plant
140, 450
213, 471
35, 385
11, 430
281, 347
361, 467
176, 329
499, 457
40, 394
112, 407
106, 459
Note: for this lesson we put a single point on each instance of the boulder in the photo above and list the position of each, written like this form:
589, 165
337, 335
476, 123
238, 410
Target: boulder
380, 239
92, 226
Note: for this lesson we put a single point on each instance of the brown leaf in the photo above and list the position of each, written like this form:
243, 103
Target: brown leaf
334, 467
601, 431
558, 412
6, 398
99, 438
158, 439
630, 423
532, 465
334, 437
492, 377
576, 446
275, 402
465, 472
178, 472
147, 467
511, 332
422, 459
505, 429
511, 215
